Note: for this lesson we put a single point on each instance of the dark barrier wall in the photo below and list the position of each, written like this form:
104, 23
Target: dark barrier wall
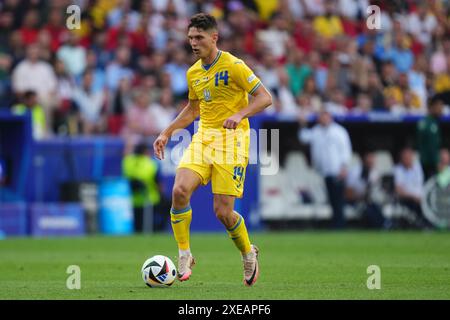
39, 169
379, 132
15, 153
61, 160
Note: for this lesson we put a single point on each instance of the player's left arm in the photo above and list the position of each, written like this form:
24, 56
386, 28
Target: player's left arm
261, 100
247, 81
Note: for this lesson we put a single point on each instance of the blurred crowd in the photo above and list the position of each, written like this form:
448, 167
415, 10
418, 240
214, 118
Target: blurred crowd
123, 71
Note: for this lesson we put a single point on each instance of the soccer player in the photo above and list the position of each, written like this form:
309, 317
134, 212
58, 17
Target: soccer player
219, 84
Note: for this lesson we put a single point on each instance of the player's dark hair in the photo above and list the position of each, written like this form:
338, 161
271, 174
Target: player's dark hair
203, 21
434, 100
141, 148
29, 94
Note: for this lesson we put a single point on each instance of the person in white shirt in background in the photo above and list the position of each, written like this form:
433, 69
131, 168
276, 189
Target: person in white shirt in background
285, 103
73, 55
37, 75
331, 153
90, 105
409, 182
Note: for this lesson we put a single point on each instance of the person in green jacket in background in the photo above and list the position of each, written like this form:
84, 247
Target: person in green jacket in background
141, 170
429, 138
30, 104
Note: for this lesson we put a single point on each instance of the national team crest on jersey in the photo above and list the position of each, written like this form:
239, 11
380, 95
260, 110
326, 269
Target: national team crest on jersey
207, 95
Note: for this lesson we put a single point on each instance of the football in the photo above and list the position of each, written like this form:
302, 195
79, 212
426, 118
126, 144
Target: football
158, 271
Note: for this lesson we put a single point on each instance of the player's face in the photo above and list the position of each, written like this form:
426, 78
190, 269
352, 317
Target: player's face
201, 41
324, 118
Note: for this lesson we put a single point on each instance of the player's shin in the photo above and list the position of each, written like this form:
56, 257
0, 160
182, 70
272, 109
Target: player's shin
238, 233
181, 221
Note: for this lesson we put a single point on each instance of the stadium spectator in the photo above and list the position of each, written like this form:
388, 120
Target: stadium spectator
276, 36
328, 25
409, 181
37, 75
404, 99
285, 102
297, 71
119, 69
439, 57
100, 50
314, 8
44, 42
417, 79
30, 27
328, 39
16, 48
139, 122
361, 186
352, 9
179, 7
310, 101
140, 38
443, 174
429, 138
331, 153
142, 172
444, 160
6, 27
119, 104
6, 62
73, 55
363, 104
164, 110
269, 75
98, 73
340, 72
63, 120
388, 75
400, 53
31, 105
56, 29
177, 70
375, 91
118, 33
421, 24
336, 103
91, 105
306, 106
123, 10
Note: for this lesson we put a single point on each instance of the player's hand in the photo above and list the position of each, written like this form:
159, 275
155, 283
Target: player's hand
232, 122
159, 145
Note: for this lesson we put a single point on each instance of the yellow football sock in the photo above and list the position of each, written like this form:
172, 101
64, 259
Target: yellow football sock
181, 221
238, 233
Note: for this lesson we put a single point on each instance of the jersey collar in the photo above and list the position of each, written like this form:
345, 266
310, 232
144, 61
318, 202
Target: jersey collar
206, 67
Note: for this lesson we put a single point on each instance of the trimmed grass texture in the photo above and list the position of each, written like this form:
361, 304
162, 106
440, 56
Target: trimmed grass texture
294, 265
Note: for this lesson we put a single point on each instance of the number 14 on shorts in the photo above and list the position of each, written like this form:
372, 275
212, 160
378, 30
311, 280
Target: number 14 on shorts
237, 174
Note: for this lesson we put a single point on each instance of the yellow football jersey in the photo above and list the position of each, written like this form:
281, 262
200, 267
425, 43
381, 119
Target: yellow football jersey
222, 88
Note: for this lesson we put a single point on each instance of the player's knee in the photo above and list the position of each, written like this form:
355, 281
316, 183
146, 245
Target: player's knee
180, 194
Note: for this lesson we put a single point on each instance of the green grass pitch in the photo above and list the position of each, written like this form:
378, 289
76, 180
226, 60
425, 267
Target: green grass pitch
294, 265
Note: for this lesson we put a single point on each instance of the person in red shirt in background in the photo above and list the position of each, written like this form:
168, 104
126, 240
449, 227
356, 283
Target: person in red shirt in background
56, 28
30, 27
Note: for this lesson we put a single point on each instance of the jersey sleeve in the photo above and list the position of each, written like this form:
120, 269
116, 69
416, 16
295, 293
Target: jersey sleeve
244, 77
191, 92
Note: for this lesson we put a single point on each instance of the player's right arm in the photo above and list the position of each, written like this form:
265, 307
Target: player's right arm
190, 112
